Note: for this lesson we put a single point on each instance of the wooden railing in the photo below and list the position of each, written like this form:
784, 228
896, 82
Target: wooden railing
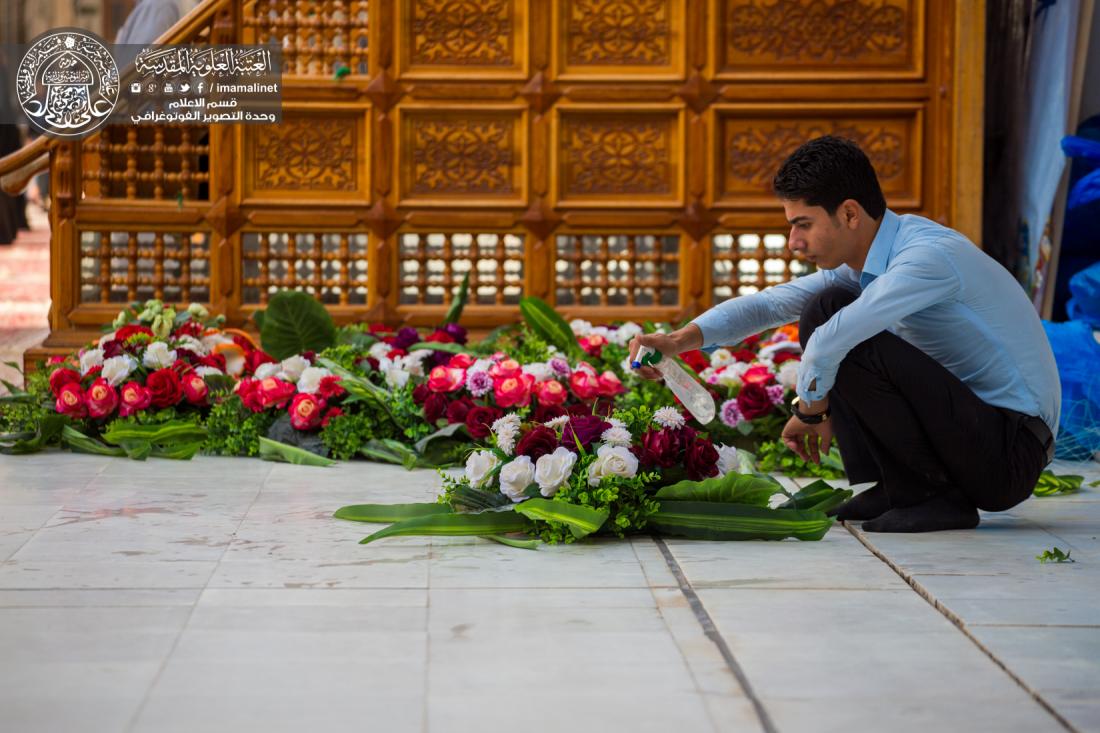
613, 157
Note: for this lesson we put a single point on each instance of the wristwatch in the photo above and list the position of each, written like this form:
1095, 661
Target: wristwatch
815, 419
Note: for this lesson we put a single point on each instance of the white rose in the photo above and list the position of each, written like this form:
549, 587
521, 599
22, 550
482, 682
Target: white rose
515, 477
159, 356
191, 344
788, 374
206, 371
234, 364
310, 380
553, 469
539, 370
478, 467
379, 350
481, 365
293, 367
731, 460
413, 362
612, 460
720, 358
117, 368
89, 360
268, 369
396, 378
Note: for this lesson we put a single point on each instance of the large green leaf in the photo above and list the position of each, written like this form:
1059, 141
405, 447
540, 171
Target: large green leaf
82, 443
454, 313
581, 520
450, 348
1051, 484
718, 521
485, 523
295, 322
272, 450
551, 327
521, 544
386, 513
818, 496
178, 451
46, 431
733, 488
160, 433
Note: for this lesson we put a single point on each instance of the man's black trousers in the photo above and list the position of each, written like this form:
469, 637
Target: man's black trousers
902, 419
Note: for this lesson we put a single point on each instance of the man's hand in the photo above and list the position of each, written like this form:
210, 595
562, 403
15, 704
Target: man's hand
809, 442
670, 344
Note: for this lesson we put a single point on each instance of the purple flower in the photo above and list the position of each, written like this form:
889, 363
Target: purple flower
405, 338
479, 382
775, 393
560, 366
583, 428
457, 332
730, 413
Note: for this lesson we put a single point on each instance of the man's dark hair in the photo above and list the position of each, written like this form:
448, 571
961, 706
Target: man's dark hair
825, 172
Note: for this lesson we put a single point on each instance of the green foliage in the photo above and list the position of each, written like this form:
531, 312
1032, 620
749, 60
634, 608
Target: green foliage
234, 430
408, 415
345, 354
1050, 484
454, 313
273, 450
636, 419
581, 520
733, 488
386, 513
774, 457
528, 347
721, 521
1054, 555
345, 435
295, 322
549, 325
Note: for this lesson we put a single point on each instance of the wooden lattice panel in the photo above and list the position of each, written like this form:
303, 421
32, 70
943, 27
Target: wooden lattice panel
317, 38
617, 269
754, 140
330, 265
613, 39
748, 262
474, 39
123, 266
800, 39
146, 162
432, 266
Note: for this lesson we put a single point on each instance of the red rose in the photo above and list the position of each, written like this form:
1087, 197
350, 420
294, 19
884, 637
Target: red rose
584, 384
60, 377
753, 401
538, 442
746, 355
695, 359
134, 398
112, 348
306, 411
195, 389
665, 447
583, 428
751, 341
435, 407
248, 390
420, 393
592, 344
254, 357
396, 353
193, 329
275, 392
440, 337
782, 356
333, 412
758, 374
213, 360
125, 333
446, 379
457, 410
512, 391
479, 421
609, 384
164, 387
546, 413
377, 328
505, 368
70, 400
101, 398
330, 388
551, 392
701, 460
460, 361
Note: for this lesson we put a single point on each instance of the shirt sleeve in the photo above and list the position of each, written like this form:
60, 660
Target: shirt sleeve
919, 277
737, 318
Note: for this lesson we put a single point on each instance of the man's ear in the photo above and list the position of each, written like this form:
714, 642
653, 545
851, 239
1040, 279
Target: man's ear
850, 213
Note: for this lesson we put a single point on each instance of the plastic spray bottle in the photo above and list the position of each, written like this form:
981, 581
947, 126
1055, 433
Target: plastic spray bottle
694, 396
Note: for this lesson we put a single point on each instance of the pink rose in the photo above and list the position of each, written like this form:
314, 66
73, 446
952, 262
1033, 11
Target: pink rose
584, 384
461, 361
195, 389
512, 391
134, 398
306, 411
609, 384
70, 400
551, 392
446, 379
758, 374
504, 369
101, 398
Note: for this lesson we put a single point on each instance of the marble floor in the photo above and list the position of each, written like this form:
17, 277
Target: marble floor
220, 595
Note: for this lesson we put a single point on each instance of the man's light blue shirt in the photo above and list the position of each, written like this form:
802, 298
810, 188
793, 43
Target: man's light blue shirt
932, 287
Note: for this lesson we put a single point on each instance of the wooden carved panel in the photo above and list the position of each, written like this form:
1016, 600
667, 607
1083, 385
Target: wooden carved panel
121, 265
331, 266
619, 157
475, 38
770, 39
432, 265
309, 154
617, 269
754, 141
464, 156
617, 38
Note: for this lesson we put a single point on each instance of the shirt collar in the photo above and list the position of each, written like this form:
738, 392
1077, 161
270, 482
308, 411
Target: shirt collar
879, 254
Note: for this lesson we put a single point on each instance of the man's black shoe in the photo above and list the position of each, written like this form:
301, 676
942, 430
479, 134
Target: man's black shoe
939, 512
864, 505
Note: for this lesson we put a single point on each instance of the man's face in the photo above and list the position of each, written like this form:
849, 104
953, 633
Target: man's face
815, 236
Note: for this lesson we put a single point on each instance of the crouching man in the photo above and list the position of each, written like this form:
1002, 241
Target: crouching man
922, 355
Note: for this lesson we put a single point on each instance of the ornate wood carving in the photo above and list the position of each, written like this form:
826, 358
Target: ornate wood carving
439, 36
617, 33
306, 154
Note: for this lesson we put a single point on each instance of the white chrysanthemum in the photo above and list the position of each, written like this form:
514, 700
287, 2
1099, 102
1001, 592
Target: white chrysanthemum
580, 327
310, 381
616, 436
117, 368
479, 467
268, 369
669, 417
506, 429
293, 366
206, 371
616, 422
539, 370
379, 350
788, 374
515, 477
557, 422
192, 344
413, 363
721, 357
159, 356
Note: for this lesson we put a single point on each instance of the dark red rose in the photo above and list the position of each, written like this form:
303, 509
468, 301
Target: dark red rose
546, 413
213, 360
782, 356
456, 332
586, 429
405, 338
187, 356
457, 410
603, 407
193, 329
539, 441
579, 409
695, 359
377, 328
60, 377
255, 358
746, 355
310, 356
435, 407
420, 392
333, 412
665, 447
112, 348
701, 460
479, 421
753, 401
165, 388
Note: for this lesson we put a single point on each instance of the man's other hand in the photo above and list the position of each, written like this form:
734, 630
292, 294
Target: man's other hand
809, 442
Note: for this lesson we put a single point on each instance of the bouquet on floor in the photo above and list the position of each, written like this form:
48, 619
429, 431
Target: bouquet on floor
577, 475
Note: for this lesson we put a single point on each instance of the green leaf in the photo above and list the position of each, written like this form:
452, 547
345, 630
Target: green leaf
735, 488
386, 513
136, 449
13, 365
220, 383
719, 521
818, 496
548, 325
82, 443
521, 544
258, 318
454, 313
48, 428
272, 450
485, 523
1050, 484
176, 430
178, 451
581, 520
446, 432
295, 322
1094, 484
387, 451
1054, 555
450, 348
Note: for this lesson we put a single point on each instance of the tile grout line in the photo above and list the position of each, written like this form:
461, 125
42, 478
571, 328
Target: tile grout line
958, 623
710, 630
